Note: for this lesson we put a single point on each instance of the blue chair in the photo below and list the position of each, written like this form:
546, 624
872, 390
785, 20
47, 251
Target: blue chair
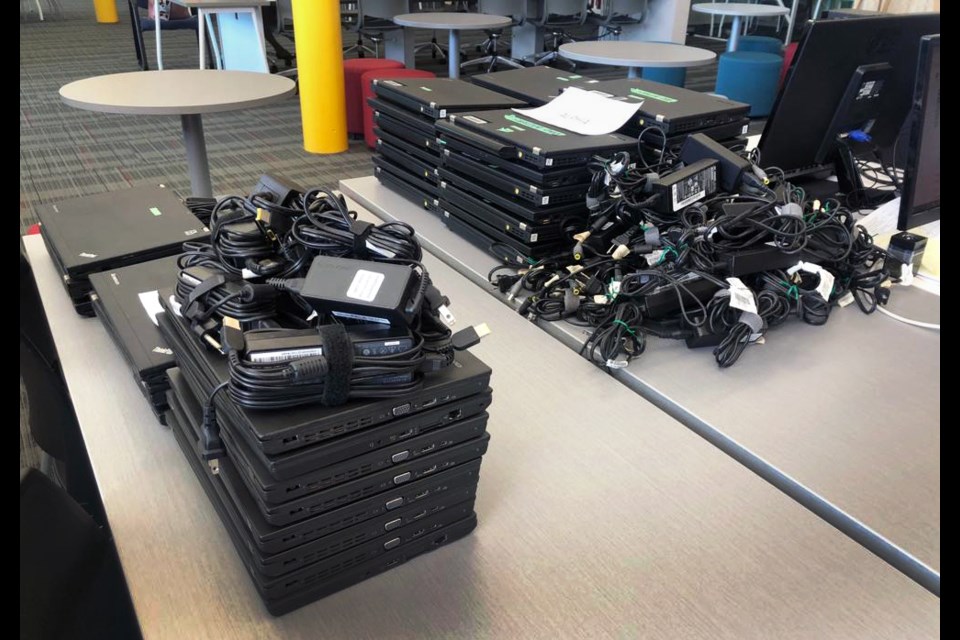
751, 77
677, 76
765, 44
140, 25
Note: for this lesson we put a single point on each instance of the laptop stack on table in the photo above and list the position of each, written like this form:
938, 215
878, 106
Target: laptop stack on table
317, 498
515, 186
112, 230
405, 112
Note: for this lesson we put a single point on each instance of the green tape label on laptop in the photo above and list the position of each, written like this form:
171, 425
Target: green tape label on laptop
156, 211
530, 124
652, 95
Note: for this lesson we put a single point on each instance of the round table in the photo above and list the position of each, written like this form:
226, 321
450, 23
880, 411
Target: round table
636, 55
454, 23
738, 10
187, 93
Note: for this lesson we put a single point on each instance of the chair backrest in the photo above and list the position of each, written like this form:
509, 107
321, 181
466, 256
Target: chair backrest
61, 551
563, 12
516, 9
383, 9
634, 8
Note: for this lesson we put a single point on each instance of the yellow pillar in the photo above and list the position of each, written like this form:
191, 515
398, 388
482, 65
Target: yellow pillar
323, 110
106, 11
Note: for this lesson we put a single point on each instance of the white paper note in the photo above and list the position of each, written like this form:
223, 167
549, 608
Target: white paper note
584, 112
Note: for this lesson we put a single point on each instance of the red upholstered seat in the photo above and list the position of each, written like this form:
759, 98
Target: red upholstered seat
353, 69
789, 51
366, 91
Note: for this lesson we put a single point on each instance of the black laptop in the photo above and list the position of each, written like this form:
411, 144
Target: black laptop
437, 97
674, 110
111, 230
511, 134
534, 85
127, 302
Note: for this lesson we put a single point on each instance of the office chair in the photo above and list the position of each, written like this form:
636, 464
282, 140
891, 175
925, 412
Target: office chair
141, 24
71, 584
517, 10
556, 15
373, 17
617, 14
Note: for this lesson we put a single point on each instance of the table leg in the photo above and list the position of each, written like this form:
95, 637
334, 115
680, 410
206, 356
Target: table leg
734, 40
453, 55
633, 72
202, 37
196, 147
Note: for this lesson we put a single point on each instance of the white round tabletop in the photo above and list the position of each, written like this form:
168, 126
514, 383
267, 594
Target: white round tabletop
452, 20
740, 9
625, 53
176, 91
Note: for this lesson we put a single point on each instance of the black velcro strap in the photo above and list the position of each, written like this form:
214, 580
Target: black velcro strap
338, 351
192, 308
361, 230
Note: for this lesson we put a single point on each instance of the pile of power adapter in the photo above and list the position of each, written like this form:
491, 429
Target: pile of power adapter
332, 415
702, 246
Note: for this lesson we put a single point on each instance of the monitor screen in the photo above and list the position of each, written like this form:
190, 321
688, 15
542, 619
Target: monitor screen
920, 200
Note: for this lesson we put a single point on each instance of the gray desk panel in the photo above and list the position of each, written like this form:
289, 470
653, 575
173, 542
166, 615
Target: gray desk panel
850, 409
599, 517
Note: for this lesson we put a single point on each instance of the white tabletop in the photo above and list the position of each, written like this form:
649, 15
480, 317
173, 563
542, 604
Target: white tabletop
740, 9
626, 53
851, 409
452, 20
176, 91
222, 4
598, 514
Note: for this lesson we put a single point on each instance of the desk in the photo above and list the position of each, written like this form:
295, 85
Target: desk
738, 11
454, 23
188, 93
603, 517
239, 24
636, 55
845, 417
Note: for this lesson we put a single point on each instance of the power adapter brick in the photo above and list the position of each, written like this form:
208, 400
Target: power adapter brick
361, 290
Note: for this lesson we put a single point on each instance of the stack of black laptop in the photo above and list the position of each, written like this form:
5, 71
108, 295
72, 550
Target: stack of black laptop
514, 186
319, 498
127, 302
404, 112
112, 230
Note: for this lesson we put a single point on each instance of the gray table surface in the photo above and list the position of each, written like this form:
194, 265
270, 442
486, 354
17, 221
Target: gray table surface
222, 4
176, 91
599, 517
451, 20
626, 53
740, 9
851, 409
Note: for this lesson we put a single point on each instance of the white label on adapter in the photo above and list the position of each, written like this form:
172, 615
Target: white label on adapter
825, 286
675, 194
744, 130
284, 355
365, 285
443, 113
360, 317
545, 200
386, 253
246, 274
533, 237
741, 297
151, 304
653, 258
846, 299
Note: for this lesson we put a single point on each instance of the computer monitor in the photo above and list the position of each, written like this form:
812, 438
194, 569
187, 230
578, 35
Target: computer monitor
847, 74
920, 196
